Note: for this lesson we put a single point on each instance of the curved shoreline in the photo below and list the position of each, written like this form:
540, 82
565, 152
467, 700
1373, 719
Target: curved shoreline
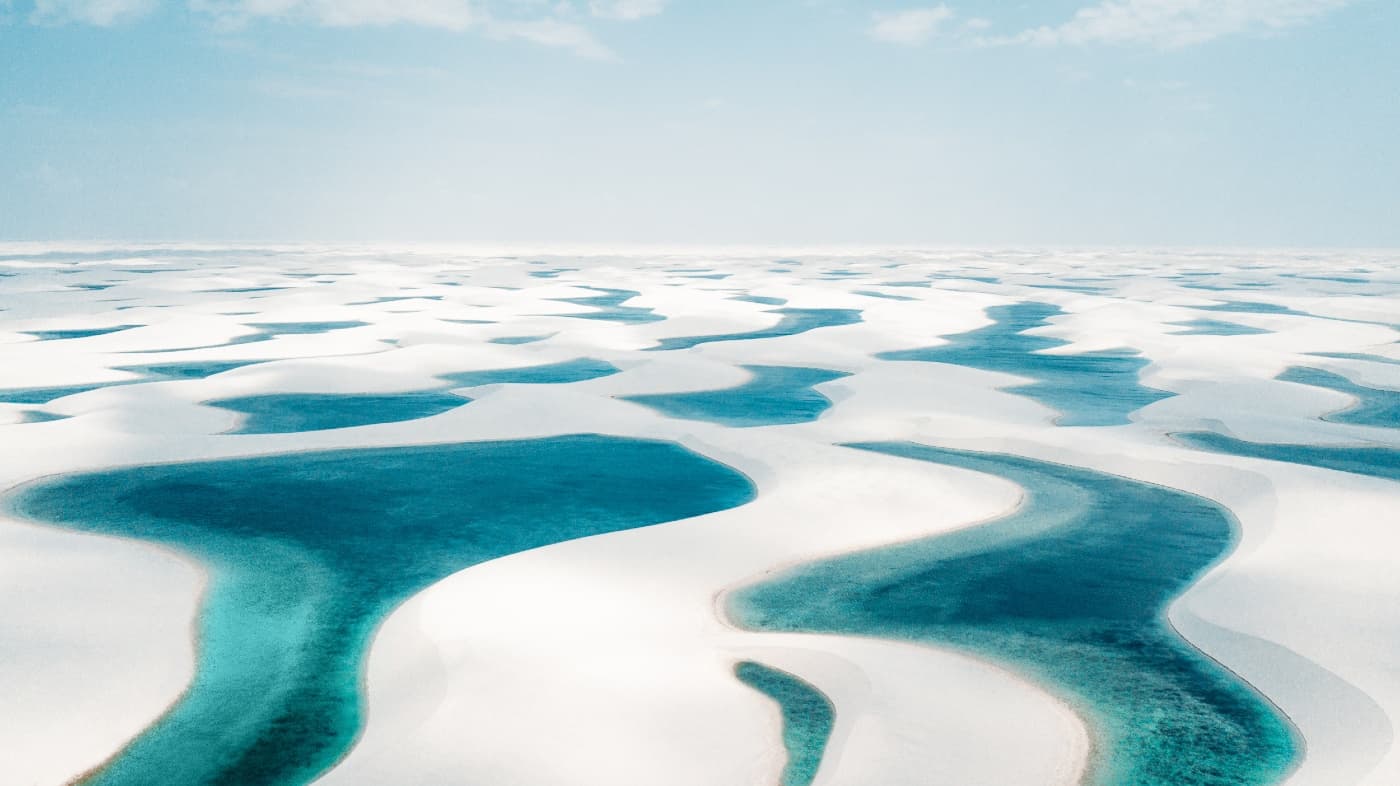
309, 602
848, 610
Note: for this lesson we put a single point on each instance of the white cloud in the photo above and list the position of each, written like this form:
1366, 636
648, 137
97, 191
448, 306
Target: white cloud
911, 27
1172, 24
446, 14
553, 32
102, 13
626, 10
454, 15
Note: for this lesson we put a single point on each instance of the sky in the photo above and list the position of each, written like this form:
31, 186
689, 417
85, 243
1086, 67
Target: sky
1266, 123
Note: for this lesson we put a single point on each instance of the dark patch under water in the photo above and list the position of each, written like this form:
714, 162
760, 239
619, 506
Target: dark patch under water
775, 395
808, 718
793, 321
1070, 589
309, 551
1088, 388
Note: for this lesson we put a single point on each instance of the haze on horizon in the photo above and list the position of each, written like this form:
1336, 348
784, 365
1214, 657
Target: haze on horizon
1104, 122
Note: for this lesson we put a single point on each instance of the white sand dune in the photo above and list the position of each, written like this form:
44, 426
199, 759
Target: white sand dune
608, 660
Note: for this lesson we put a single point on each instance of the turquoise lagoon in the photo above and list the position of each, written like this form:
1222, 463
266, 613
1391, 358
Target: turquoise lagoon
283, 413
1374, 406
1089, 388
793, 321
280, 413
1071, 590
308, 552
60, 335
776, 395
808, 718
1216, 327
1375, 460
158, 372
610, 306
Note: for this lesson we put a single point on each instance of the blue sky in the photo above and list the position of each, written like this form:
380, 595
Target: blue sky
1077, 122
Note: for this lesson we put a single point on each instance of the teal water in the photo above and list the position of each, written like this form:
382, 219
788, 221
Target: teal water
149, 373
393, 299
1251, 307
1376, 461
1082, 289
1357, 356
308, 552
808, 718
153, 373
59, 335
610, 307
1071, 590
793, 321
762, 300
978, 279
282, 413
39, 416
1215, 327
883, 295
775, 395
45, 395
266, 331
579, 370
514, 340
1089, 388
1374, 406
191, 370
272, 329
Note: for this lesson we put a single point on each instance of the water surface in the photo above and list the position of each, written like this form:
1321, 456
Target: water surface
1088, 388
1071, 590
578, 370
281, 413
1216, 327
610, 306
309, 551
793, 321
774, 395
1374, 460
1373, 407
59, 335
808, 718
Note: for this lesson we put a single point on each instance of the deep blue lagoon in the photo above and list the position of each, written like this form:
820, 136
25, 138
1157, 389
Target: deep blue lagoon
308, 552
1071, 589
